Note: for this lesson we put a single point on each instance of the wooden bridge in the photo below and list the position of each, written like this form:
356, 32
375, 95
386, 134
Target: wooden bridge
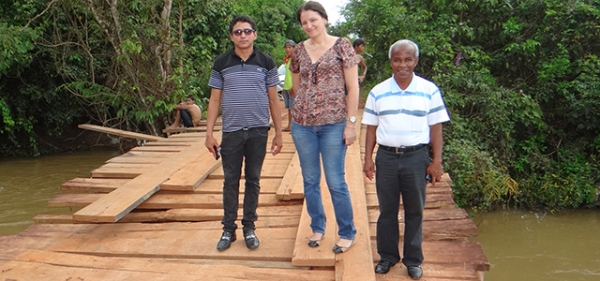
154, 213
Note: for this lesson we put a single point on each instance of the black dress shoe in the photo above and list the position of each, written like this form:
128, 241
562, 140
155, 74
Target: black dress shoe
415, 272
251, 240
383, 267
225, 241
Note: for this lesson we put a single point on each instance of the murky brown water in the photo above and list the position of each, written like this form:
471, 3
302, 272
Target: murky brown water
520, 245
532, 246
26, 185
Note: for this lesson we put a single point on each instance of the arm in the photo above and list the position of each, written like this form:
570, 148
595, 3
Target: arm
213, 112
370, 140
276, 116
295, 83
351, 79
363, 65
436, 142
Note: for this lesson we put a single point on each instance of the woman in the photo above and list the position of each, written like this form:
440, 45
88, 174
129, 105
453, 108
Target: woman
325, 83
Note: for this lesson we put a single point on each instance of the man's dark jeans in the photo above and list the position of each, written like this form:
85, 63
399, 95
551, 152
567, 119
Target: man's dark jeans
250, 146
401, 175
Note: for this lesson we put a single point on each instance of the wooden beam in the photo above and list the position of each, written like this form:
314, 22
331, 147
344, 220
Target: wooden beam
120, 133
289, 178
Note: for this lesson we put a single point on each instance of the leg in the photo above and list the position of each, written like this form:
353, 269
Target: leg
388, 195
186, 118
288, 102
412, 187
177, 118
307, 144
333, 151
232, 151
255, 149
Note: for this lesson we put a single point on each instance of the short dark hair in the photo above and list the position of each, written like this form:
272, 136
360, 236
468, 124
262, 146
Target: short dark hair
191, 97
241, 18
358, 42
311, 6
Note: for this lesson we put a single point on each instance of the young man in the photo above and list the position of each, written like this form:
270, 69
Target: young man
359, 47
188, 113
244, 84
288, 93
404, 115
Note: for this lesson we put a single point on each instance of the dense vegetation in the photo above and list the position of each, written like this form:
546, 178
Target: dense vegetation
521, 78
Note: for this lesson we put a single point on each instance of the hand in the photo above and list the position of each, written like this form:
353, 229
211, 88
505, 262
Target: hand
277, 144
369, 168
361, 78
436, 171
211, 143
349, 135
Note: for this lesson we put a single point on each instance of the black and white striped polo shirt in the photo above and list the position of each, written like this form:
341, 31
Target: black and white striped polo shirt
245, 102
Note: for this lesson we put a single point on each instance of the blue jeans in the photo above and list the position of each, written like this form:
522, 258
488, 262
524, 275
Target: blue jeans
326, 142
249, 145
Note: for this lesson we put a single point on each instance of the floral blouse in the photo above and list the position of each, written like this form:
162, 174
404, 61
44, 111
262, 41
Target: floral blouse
321, 96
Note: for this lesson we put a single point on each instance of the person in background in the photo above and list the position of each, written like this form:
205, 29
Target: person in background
324, 117
244, 84
288, 93
359, 47
404, 115
187, 113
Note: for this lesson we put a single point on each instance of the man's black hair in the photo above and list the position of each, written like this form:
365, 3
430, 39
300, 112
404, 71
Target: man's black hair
358, 42
191, 97
241, 18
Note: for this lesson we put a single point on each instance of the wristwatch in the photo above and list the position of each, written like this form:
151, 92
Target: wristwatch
352, 119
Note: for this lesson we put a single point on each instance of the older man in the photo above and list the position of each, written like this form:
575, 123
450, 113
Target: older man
403, 115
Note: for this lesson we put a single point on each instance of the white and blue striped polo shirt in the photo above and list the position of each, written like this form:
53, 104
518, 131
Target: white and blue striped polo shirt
403, 117
245, 101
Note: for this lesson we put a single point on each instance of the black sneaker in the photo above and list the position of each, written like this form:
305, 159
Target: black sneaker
251, 240
415, 272
225, 241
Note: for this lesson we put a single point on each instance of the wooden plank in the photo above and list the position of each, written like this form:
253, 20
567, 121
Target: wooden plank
115, 205
431, 201
356, 264
169, 148
433, 272
106, 185
125, 173
428, 214
297, 191
192, 174
156, 201
137, 159
198, 243
120, 133
321, 256
93, 184
439, 229
52, 264
468, 253
268, 171
190, 129
289, 178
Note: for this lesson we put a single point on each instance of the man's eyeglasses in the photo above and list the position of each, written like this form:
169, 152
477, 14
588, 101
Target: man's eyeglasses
247, 32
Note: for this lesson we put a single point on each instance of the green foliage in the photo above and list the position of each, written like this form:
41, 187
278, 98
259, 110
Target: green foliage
520, 79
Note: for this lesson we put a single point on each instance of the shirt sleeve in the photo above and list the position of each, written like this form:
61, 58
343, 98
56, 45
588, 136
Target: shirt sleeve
216, 80
295, 64
349, 57
370, 113
437, 110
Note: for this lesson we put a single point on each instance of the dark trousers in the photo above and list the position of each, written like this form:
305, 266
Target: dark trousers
186, 118
248, 145
401, 175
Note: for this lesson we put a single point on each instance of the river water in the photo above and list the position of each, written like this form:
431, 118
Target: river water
520, 245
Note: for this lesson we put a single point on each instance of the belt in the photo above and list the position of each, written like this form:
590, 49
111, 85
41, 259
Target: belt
402, 149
